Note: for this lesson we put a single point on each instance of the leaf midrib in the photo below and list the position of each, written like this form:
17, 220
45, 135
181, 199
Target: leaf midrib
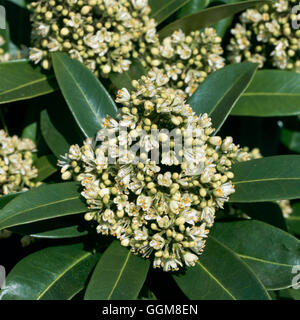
271, 94
119, 276
62, 274
216, 280
264, 180
166, 6
83, 94
38, 207
264, 261
226, 93
27, 84
178, 23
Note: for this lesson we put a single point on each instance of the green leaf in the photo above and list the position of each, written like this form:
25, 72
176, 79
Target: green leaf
29, 131
124, 79
5, 199
291, 139
58, 126
223, 25
60, 233
272, 93
228, 85
268, 212
31, 119
86, 97
43, 203
270, 252
293, 220
191, 7
57, 228
119, 275
160, 11
267, 179
21, 81
46, 166
54, 139
207, 17
54, 273
295, 293
65, 227
220, 275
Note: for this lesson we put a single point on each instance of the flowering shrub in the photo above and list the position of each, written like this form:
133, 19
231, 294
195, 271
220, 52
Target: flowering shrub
103, 34
107, 35
188, 59
130, 117
16, 159
162, 206
266, 36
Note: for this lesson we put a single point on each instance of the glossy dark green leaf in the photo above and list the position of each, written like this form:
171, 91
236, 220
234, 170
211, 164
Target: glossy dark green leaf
271, 93
54, 273
21, 81
287, 294
220, 275
218, 94
57, 228
291, 139
87, 99
191, 7
46, 165
295, 293
223, 25
267, 179
30, 131
54, 139
293, 220
124, 79
60, 233
207, 17
5, 199
58, 126
119, 275
43, 203
268, 212
160, 11
270, 252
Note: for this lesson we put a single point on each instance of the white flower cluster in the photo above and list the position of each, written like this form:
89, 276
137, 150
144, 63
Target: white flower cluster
188, 59
161, 208
16, 164
106, 35
103, 34
266, 36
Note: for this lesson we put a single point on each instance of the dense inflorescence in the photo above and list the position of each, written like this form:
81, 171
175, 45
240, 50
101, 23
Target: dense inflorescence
103, 34
266, 36
158, 207
107, 35
188, 59
16, 164
16, 169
